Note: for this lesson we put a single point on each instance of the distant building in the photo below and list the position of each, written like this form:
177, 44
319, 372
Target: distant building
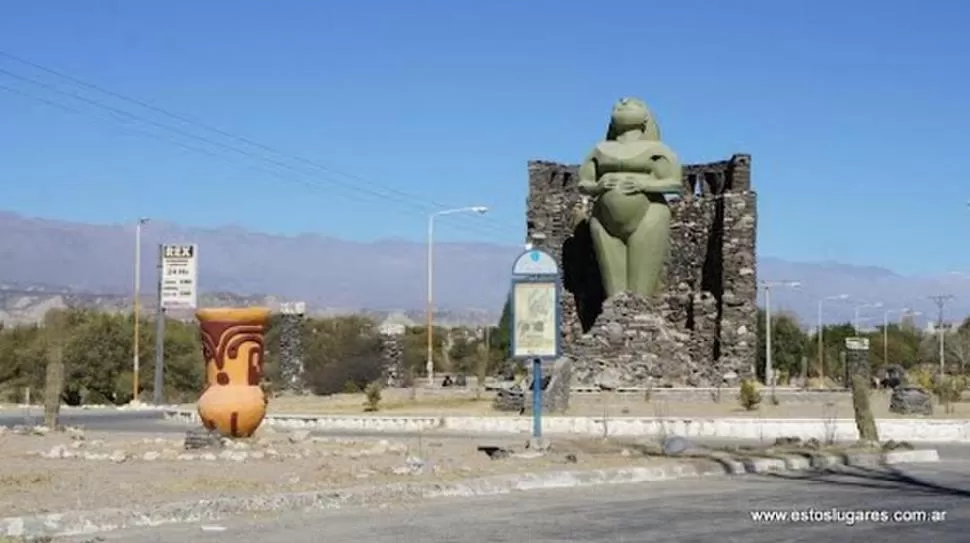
395, 324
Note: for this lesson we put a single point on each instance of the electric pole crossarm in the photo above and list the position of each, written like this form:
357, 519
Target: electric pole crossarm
940, 300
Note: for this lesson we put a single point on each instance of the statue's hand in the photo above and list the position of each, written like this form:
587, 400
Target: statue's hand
608, 183
631, 186
587, 187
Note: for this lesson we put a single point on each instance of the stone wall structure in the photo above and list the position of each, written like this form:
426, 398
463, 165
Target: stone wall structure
392, 359
701, 329
291, 347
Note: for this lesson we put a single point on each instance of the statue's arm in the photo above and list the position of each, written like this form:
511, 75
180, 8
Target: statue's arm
667, 173
587, 177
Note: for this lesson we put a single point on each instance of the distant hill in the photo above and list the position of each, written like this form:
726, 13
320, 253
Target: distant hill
46, 263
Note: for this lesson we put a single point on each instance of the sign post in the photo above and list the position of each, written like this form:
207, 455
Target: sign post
536, 320
178, 271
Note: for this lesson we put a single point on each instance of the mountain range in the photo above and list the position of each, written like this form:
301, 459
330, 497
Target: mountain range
47, 263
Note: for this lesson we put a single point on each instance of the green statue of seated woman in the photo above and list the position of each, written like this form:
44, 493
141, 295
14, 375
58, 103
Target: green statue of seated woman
628, 175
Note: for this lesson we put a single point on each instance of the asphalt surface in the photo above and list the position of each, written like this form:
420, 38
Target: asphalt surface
112, 420
679, 511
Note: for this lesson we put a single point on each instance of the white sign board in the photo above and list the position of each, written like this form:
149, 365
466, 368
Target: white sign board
180, 271
535, 262
857, 343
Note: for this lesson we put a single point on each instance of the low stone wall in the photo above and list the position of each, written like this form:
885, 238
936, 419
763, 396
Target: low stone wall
913, 430
727, 395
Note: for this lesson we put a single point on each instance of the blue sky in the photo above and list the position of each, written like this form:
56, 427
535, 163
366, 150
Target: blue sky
856, 117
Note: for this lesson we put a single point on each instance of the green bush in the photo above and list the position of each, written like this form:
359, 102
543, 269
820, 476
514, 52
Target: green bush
950, 388
351, 387
749, 396
373, 395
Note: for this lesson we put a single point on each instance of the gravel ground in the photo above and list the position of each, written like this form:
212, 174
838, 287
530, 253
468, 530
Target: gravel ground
73, 470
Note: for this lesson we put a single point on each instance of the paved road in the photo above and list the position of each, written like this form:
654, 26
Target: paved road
677, 511
127, 420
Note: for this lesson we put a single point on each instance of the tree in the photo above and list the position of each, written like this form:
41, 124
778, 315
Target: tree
22, 361
464, 353
833, 337
788, 344
415, 347
902, 347
501, 335
341, 351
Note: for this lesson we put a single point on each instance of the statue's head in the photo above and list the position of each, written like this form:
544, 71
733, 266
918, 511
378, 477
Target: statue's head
632, 114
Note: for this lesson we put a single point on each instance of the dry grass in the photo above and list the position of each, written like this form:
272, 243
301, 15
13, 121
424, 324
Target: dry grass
460, 403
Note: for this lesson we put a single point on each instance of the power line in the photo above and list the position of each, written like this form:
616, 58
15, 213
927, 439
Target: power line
390, 193
205, 126
193, 148
196, 149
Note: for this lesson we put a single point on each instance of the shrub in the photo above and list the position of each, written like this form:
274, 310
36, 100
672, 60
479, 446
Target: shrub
351, 387
373, 393
351, 370
749, 396
924, 378
950, 388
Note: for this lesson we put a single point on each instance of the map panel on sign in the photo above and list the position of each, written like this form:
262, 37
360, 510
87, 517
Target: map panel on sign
535, 331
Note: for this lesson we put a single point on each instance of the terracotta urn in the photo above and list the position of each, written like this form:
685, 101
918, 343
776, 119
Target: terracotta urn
232, 344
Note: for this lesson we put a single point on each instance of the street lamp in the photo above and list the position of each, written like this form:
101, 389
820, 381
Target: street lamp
136, 362
885, 329
481, 210
863, 306
767, 286
821, 333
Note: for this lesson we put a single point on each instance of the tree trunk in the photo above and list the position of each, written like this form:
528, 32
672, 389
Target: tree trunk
861, 383
53, 387
55, 324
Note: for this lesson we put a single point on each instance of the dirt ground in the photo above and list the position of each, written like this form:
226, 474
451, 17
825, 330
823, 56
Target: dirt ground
400, 402
77, 470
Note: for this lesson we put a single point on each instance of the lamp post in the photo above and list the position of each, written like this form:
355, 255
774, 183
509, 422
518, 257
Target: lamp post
136, 362
481, 210
855, 322
885, 329
821, 333
767, 286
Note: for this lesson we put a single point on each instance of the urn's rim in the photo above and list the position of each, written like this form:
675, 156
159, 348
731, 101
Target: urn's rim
232, 314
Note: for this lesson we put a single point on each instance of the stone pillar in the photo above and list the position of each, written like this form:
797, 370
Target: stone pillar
291, 347
739, 311
392, 358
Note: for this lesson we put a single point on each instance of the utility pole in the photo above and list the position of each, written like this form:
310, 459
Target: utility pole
940, 300
821, 334
767, 286
159, 381
136, 362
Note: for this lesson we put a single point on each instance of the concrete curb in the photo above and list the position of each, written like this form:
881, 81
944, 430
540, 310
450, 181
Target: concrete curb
90, 522
912, 430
